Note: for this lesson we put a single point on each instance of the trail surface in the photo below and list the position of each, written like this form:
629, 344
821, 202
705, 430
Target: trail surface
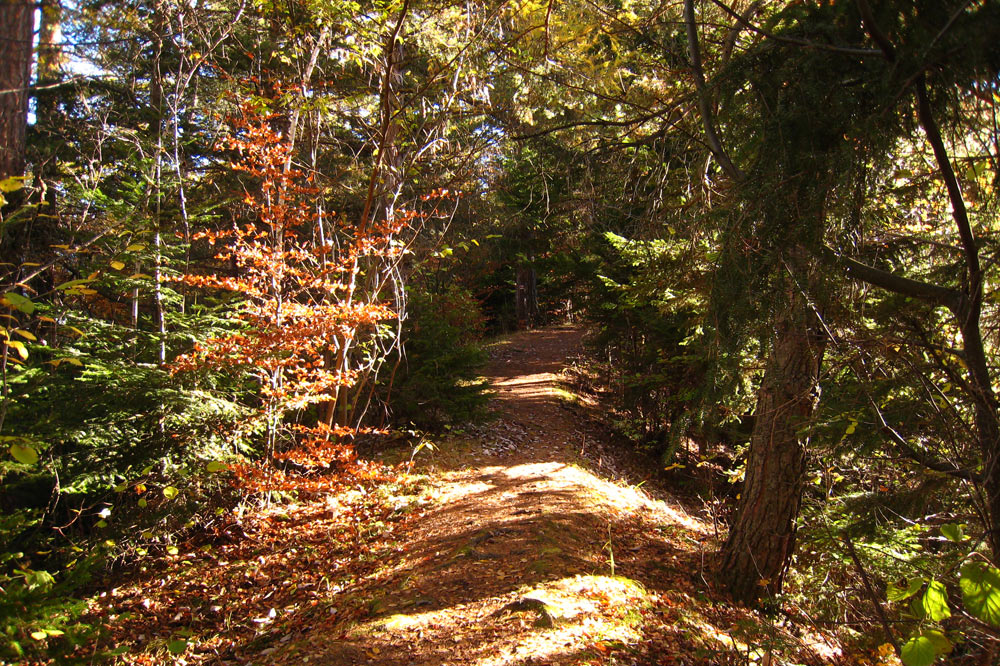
528, 556
520, 541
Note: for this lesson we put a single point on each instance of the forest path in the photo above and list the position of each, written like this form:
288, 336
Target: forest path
520, 541
527, 556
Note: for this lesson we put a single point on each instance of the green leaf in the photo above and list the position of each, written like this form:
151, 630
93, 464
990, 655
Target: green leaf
918, 651
39, 579
935, 601
39, 635
925, 648
179, 645
118, 651
898, 593
981, 591
15, 300
143, 503
24, 454
215, 466
170, 492
952, 532
172, 550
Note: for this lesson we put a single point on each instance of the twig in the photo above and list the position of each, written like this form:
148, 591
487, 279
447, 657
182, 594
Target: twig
870, 591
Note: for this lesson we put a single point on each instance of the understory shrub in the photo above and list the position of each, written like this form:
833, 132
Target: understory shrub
437, 380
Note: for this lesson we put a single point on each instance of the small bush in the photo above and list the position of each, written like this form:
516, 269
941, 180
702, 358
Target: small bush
438, 380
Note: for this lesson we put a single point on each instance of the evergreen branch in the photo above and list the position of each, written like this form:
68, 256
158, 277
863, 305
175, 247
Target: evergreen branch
632, 122
908, 451
925, 460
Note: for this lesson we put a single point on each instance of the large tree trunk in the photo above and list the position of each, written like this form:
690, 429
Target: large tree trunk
762, 538
526, 295
17, 19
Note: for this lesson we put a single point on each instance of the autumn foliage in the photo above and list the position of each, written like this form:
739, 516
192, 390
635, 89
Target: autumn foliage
311, 298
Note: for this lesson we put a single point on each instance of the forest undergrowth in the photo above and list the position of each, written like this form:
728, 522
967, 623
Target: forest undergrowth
531, 538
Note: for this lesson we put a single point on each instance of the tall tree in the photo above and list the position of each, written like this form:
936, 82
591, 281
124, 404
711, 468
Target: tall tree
792, 168
17, 20
796, 165
962, 57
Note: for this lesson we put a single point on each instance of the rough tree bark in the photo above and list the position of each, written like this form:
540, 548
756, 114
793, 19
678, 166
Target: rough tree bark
762, 538
16, 25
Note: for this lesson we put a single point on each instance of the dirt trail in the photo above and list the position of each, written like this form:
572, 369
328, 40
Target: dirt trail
527, 557
507, 545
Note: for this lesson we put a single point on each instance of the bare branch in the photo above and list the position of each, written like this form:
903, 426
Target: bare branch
959, 211
704, 105
929, 293
879, 37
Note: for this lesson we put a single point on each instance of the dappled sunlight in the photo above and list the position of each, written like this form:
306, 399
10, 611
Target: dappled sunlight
722, 639
629, 498
548, 620
516, 560
457, 489
822, 646
539, 379
484, 556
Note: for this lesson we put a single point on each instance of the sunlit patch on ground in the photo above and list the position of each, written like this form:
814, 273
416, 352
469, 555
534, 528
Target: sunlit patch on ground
616, 496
